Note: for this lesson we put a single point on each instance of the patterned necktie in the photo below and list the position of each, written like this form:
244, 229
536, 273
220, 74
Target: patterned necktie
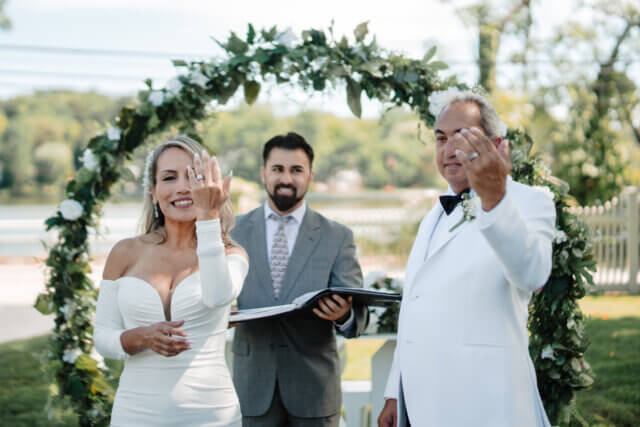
279, 253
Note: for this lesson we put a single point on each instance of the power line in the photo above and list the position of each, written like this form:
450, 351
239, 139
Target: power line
101, 52
71, 74
198, 56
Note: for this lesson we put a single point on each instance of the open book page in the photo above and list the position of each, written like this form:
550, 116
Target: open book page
261, 312
306, 301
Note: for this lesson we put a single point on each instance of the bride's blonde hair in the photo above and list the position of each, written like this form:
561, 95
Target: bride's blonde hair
151, 227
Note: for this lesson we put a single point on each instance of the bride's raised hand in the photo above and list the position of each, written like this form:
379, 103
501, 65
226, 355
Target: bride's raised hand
208, 190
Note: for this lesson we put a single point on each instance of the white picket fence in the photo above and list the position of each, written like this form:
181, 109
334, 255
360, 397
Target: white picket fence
616, 239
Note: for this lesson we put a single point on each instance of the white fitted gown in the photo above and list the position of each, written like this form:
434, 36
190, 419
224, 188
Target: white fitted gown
193, 388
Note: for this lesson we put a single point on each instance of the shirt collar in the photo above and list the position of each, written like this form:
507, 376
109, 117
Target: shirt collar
297, 214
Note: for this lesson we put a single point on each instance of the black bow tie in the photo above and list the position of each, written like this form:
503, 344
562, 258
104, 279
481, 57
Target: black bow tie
449, 203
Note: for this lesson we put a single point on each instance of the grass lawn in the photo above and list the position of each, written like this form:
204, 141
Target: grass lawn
614, 355
23, 389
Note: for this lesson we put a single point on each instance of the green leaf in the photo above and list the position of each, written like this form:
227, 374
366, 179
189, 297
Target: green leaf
77, 388
240, 59
576, 252
411, 77
236, 45
44, 304
179, 63
354, 91
261, 56
153, 122
438, 65
251, 34
361, 31
430, 53
344, 43
270, 35
86, 363
98, 385
251, 91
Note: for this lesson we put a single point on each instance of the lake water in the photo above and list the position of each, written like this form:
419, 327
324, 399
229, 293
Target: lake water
22, 230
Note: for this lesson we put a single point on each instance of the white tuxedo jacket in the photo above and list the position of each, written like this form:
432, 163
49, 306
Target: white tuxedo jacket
462, 347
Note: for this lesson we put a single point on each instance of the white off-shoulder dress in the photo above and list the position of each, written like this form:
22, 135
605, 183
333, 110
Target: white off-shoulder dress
193, 388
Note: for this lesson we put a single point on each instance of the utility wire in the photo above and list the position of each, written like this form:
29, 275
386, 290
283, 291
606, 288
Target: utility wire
198, 56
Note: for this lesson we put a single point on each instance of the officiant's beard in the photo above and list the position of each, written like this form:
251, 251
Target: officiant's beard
285, 202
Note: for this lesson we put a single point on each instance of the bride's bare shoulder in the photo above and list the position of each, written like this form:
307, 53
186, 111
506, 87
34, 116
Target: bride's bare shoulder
121, 257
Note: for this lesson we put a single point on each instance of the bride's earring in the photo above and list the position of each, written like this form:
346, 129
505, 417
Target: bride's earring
155, 210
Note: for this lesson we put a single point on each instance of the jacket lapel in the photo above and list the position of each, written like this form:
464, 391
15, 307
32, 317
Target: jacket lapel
308, 237
449, 235
258, 248
419, 250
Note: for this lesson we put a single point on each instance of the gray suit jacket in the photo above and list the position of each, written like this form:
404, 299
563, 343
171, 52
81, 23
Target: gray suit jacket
298, 351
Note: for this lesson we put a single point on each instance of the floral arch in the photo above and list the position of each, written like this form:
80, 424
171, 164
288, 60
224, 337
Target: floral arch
312, 61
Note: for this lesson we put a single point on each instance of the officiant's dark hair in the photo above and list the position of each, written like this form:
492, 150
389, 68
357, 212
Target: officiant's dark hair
290, 141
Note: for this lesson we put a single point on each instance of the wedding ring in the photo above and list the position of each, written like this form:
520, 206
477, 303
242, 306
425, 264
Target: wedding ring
199, 177
473, 155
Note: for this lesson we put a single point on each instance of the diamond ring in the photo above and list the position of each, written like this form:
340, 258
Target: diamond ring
199, 177
473, 155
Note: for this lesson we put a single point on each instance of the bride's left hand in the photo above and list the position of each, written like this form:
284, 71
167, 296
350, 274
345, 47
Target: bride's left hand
208, 190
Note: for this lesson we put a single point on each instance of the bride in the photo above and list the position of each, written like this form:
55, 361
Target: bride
164, 301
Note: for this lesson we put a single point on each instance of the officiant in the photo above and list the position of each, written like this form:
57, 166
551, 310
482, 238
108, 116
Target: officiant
286, 370
462, 355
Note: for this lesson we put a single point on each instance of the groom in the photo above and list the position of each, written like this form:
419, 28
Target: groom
462, 348
286, 370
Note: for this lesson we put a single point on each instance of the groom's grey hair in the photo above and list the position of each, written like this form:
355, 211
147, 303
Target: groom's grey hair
489, 119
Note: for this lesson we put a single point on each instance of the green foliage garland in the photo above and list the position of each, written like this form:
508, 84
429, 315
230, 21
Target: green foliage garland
312, 62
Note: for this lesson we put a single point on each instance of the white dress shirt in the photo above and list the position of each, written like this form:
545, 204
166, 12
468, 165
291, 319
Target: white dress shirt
291, 230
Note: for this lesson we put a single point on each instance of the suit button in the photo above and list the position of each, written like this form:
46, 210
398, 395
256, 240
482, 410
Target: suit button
415, 297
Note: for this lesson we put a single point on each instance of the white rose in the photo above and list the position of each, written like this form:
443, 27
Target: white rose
547, 353
156, 98
70, 356
174, 86
114, 133
286, 38
198, 79
71, 209
439, 99
373, 277
559, 236
89, 160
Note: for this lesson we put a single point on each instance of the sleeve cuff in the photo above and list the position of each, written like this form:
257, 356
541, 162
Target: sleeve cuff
347, 324
486, 218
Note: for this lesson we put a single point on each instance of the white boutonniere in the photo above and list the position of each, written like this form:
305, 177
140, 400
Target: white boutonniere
469, 208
